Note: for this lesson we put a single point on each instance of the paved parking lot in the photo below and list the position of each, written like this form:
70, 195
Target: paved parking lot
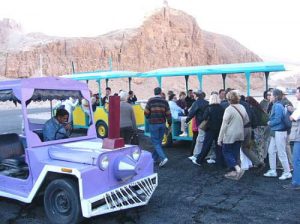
188, 194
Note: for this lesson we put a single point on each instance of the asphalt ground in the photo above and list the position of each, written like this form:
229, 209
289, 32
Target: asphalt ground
187, 193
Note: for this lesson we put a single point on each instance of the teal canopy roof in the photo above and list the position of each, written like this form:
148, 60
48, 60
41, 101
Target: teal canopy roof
215, 69
99, 75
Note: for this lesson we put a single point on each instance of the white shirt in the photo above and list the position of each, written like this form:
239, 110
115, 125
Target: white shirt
296, 114
175, 109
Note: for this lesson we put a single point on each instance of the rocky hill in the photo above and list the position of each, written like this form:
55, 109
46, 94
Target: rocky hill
167, 38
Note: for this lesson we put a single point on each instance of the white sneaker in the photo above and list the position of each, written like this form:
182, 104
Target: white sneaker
271, 173
285, 176
210, 161
184, 134
192, 158
195, 162
162, 163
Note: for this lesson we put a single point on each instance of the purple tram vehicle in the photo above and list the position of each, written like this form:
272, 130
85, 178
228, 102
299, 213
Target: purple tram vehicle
76, 175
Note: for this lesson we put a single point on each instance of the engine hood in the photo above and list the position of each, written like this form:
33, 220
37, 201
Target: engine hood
86, 152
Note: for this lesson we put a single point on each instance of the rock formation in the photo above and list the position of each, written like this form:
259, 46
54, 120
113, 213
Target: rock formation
167, 38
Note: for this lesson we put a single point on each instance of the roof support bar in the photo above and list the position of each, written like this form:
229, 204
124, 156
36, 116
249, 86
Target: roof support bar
106, 83
200, 76
186, 77
73, 67
99, 91
224, 80
248, 74
267, 79
159, 80
129, 83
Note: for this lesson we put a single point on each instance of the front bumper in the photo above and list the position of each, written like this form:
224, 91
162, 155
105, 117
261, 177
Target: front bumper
134, 194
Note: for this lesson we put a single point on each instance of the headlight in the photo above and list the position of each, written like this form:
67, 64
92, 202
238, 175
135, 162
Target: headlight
104, 162
136, 154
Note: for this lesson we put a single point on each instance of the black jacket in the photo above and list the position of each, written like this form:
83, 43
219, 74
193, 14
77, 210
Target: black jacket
214, 116
251, 115
189, 102
197, 109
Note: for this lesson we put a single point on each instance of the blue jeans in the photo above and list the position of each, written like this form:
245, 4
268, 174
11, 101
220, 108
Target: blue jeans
296, 159
210, 137
231, 153
157, 132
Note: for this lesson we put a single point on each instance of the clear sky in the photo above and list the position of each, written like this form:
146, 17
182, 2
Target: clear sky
270, 28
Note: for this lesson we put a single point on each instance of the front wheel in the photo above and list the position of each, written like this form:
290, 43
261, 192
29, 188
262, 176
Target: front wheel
102, 129
61, 202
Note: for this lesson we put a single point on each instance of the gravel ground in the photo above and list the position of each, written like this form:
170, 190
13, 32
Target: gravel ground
186, 194
189, 194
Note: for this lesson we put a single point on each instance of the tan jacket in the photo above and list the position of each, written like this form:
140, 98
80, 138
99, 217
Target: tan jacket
232, 128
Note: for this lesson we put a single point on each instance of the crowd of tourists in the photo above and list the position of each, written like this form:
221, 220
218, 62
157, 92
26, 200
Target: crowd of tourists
233, 131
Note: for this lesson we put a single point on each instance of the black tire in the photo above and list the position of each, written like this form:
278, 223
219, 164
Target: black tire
101, 129
167, 139
61, 202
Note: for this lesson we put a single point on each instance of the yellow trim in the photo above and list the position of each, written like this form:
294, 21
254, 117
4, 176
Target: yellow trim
66, 170
79, 117
139, 114
101, 114
190, 130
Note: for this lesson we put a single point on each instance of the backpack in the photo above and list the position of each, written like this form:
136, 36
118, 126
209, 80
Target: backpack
286, 119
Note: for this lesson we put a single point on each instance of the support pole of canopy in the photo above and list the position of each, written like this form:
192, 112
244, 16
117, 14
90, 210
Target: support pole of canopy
99, 91
186, 77
248, 74
106, 83
224, 80
129, 83
73, 67
159, 80
267, 79
200, 76
51, 109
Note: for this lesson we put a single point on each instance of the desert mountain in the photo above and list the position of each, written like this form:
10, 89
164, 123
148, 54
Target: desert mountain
167, 38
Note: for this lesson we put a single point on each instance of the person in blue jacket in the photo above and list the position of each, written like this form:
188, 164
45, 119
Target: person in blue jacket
278, 138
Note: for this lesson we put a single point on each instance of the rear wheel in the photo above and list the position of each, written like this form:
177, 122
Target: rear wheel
61, 201
102, 129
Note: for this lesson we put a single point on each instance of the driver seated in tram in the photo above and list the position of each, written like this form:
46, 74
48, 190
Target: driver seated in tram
57, 127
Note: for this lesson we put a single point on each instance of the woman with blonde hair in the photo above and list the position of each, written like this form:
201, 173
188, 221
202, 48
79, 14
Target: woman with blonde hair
232, 134
213, 115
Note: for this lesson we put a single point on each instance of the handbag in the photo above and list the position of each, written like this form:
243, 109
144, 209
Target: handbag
204, 125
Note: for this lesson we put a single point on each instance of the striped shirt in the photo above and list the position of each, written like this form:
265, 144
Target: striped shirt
157, 111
